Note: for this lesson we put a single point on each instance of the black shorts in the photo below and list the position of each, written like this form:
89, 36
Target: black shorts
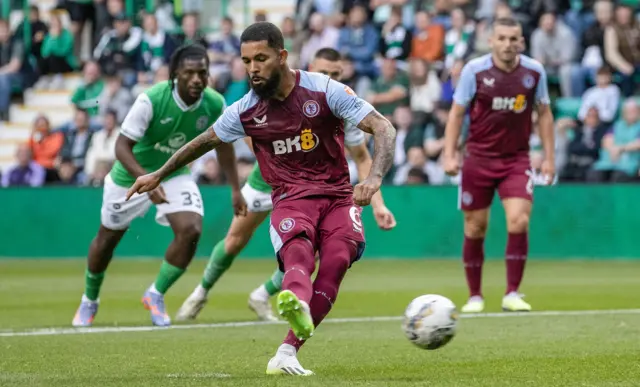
81, 12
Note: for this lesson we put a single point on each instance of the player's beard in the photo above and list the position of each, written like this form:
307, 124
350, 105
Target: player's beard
269, 88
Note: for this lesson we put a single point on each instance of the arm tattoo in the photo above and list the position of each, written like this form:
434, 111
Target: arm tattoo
384, 139
193, 150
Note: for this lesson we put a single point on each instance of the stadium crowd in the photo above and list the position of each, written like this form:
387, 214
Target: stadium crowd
403, 56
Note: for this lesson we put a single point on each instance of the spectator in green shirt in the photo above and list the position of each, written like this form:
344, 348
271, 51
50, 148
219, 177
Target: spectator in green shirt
390, 90
86, 97
57, 53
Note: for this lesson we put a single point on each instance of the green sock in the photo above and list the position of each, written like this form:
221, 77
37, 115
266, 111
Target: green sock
92, 284
219, 262
274, 284
168, 275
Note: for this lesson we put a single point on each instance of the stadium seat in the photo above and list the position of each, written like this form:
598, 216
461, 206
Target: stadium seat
567, 107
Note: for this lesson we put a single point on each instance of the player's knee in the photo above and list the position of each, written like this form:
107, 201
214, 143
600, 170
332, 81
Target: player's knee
189, 233
299, 252
475, 227
518, 223
339, 254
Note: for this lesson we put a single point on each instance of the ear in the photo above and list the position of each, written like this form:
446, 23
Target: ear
284, 55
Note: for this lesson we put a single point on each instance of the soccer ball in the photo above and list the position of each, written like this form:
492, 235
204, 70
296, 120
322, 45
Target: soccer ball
430, 321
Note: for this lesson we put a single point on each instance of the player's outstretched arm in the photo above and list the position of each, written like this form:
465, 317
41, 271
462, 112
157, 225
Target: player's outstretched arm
384, 140
193, 150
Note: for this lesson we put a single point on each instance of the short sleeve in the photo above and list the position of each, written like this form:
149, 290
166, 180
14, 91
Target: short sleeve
228, 127
352, 135
542, 90
137, 121
345, 104
466, 87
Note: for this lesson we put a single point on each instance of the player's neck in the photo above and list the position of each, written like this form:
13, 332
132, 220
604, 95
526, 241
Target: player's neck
188, 100
506, 66
287, 83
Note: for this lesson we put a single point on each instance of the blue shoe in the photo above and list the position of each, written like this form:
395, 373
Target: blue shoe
86, 313
154, 303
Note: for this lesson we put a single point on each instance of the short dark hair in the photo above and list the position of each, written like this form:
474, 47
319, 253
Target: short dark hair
506, 22
329, 54
189, 51
264, 31
604, 70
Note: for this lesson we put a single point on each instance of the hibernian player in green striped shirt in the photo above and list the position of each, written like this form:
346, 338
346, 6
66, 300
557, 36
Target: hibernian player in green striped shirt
161, 120
257, 194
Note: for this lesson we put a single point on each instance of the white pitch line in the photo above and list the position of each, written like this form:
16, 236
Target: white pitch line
80, 331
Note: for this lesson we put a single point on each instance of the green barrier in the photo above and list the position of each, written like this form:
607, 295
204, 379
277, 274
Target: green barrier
589, 222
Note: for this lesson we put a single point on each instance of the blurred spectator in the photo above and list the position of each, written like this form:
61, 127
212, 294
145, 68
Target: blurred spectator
86, 97
210, 173
292, 41
57, 55
26, 172
103, 146
320, 35
620, 157
115, 97
349, 77
457, 41
584, 148
622, 47
155, 50
390, 89
592, 48
428, 41
223, 49
11, 56
486, 9
480, 38
415, 159
101, 170
67, 173
106, 11
554, 45
604, 96
159, 76
38, 32
80, 11
395, 39
580, 16
191, 31
434, 133
238, 84
449, 85
118, 50
77, 138
426, 89
359, 39
416, 176
245, 166
44, 144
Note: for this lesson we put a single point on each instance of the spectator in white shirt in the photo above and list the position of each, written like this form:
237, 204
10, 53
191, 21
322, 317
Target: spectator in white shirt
604, 96
103, 145
321, 35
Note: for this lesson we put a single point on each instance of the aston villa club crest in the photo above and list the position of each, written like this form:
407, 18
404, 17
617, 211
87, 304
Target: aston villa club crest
311, 108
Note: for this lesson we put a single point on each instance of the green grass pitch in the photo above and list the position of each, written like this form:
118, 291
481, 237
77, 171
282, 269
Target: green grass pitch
561, 349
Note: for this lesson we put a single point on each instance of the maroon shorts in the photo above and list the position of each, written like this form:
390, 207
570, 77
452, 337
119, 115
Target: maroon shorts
481, 177
318, 218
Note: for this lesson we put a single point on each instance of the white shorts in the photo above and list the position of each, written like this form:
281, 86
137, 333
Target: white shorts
256, 201
181, 191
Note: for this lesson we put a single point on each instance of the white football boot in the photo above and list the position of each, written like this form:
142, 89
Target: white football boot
285, 362
192, 306
474, 305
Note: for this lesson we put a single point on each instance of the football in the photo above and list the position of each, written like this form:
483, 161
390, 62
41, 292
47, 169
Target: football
430, 321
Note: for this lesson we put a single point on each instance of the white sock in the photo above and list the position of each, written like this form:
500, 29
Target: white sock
475, 299
86, 299
260, 293
153, 289
512, 294
287, 349
200, 291
305, 306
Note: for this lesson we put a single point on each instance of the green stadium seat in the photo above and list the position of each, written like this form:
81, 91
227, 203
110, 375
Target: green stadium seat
567, 107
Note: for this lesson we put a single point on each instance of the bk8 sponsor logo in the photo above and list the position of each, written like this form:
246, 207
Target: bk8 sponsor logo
305, 142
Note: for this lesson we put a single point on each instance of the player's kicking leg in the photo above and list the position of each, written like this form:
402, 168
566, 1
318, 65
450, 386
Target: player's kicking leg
225, 251
341, 243
518, 211
116, 215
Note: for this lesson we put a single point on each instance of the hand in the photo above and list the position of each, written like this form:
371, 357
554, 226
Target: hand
239, 205
548, 171
144, 184
615, 153
364, 191
451, 164
158, 196
385, 219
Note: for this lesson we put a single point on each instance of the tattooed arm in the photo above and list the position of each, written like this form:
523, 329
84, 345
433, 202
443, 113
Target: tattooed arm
384, 139
193, 150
